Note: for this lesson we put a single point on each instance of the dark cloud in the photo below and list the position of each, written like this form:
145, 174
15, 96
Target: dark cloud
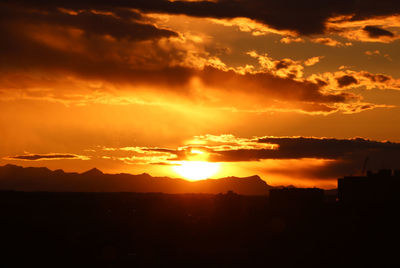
296, 148
282, 64
98, 60
41, 40
345, 156
133, 61
380, 78
351, 79
38, 39
340, 156
305, 17
296, 157
348, 156
119, 25
321, 83
327, 148
375, 32
273, 86
20, 53
35, 157
346, 80
328, 171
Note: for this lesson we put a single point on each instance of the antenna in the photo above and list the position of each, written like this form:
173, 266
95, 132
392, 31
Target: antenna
364, 166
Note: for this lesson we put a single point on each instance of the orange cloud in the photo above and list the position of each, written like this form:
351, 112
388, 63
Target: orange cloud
329, 42
381, 29
288, 40
257, 28
285, 68
371, 53
82, 56
98, 65
312, 61
309, 158
351, 79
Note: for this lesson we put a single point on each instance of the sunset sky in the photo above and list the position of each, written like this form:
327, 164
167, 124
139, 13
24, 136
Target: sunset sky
298, 92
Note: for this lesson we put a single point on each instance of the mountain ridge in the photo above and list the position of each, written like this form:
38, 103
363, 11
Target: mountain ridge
13, 177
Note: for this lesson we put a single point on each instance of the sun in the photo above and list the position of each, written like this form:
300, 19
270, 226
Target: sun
196, 170
196, 167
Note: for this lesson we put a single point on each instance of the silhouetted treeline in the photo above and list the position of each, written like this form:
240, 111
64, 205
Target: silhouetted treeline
192, 230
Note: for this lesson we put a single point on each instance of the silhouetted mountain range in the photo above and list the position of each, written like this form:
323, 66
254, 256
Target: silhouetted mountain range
43, 179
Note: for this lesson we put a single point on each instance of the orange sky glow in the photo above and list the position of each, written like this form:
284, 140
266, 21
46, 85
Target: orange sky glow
182, 89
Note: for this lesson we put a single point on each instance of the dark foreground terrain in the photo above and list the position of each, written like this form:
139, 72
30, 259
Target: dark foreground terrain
192, 230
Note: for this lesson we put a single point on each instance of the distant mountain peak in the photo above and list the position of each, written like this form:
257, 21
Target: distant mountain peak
93, 172
58, 171
41, 179
254, 177
10, 165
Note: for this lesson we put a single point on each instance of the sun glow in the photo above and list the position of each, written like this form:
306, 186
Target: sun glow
196, 170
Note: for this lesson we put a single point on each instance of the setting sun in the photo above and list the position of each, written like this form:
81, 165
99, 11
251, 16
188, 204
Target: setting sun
196, 170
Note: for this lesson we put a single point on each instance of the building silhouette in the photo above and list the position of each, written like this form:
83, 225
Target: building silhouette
380, 187
296, 197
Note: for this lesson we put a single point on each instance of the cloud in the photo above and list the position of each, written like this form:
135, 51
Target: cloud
327, 41
306, 17
346, 80
227, 148
285, 68
312, 61
138, 155
304, 147
375, 32
381, 29
37, 157
345, 156
288, 40
88, 44
296, 157
76, 53
129, 25
337, 157
328, 148
372, 53
198, 148
377, 53
66, 54
302, 95
257, 28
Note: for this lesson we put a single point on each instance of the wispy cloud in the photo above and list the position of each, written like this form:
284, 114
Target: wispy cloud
53, 156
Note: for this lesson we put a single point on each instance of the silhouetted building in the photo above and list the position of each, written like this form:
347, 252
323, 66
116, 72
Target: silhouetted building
296, 197
228, 203
382, 186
